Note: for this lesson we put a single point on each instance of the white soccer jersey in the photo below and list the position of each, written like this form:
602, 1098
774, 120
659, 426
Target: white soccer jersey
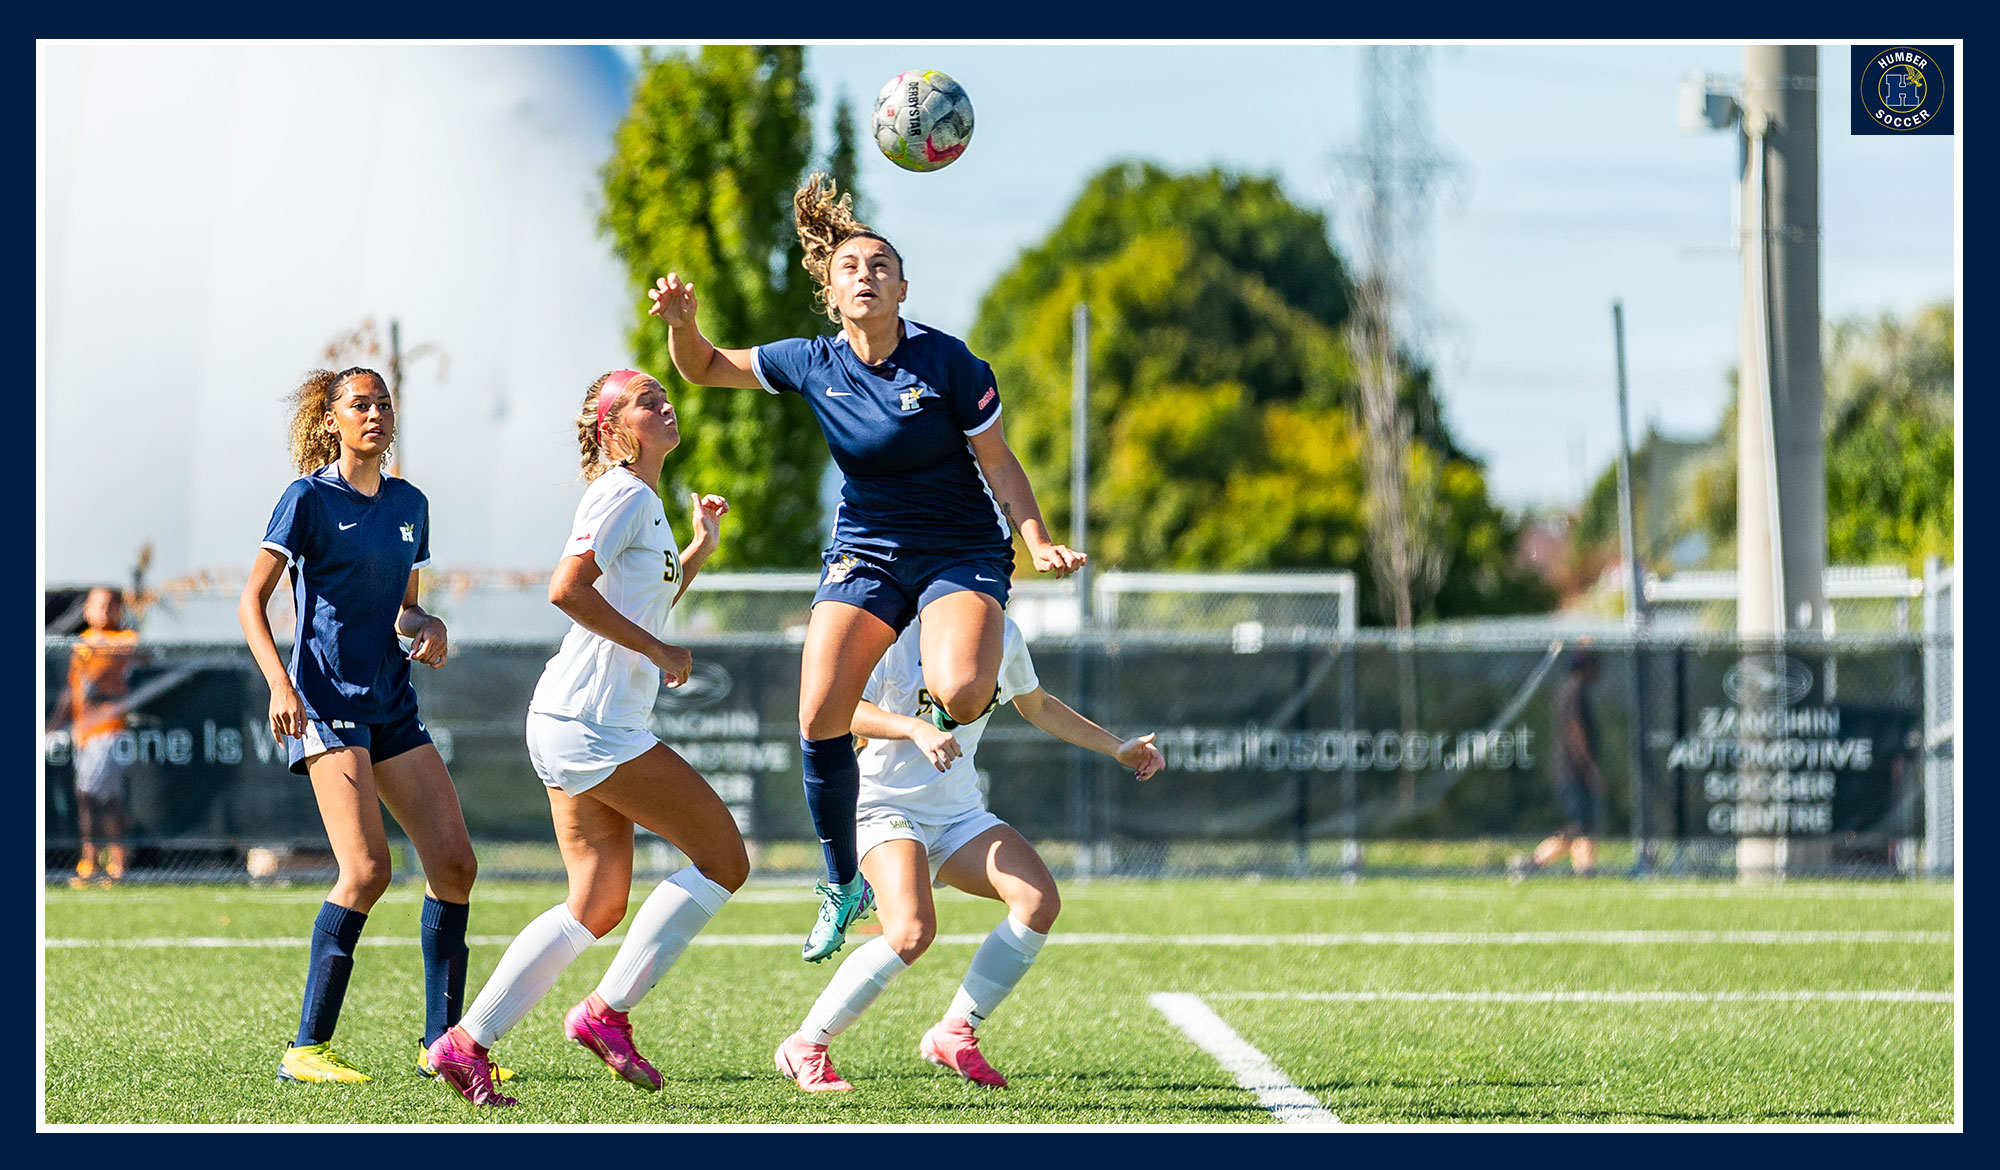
621, 520
894, 773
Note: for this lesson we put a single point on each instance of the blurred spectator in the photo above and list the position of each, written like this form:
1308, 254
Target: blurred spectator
94, 704
1573, 770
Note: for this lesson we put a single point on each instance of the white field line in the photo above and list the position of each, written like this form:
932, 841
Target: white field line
1251, 1068
1517, 938
1335, 897
502, 892
1363, 938
1863, 996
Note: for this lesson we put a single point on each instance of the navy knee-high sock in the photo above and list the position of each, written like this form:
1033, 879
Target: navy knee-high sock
443, 940
335, 933
833, 787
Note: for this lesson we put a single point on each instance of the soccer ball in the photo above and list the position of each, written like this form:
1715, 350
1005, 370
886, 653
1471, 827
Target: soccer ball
922, 120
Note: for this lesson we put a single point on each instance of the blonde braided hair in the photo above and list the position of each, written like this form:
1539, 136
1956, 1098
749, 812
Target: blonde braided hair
599, 457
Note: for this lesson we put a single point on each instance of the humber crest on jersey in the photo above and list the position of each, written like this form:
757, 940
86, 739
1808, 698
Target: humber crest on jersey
897, 431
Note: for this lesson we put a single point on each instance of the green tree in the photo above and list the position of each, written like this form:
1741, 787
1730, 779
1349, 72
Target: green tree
1222, 387
1673, 489
1890, 443
701, 182
843, 163
1890, 440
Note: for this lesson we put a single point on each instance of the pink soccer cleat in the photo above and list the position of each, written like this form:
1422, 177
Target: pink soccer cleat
807, 1063
954, 1045
461, 1064
594, 1025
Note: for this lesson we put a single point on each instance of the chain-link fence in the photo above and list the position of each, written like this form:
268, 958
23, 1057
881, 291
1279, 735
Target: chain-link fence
1305, 753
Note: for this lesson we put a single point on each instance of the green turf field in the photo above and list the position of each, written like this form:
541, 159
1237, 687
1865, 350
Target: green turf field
1386, 1002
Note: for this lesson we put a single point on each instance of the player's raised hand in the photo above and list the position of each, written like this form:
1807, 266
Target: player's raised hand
1059, 559
708, 513
1141, 756
673, 300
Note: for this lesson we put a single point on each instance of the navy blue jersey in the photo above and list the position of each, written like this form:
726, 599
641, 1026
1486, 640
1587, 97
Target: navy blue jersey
351, 556
898, 431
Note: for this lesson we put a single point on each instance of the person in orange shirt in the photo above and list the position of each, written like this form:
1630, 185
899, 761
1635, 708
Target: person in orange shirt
95, 700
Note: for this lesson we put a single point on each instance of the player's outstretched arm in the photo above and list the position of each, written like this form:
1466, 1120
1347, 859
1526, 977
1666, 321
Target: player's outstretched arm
1016, 497
697, 359
1058, 719
872, 722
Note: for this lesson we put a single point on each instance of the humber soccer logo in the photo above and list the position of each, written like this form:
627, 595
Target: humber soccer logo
1901, 89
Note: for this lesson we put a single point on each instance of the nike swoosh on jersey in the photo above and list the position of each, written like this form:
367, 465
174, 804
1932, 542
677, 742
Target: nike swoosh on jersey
832, 393
988, 580
345, 527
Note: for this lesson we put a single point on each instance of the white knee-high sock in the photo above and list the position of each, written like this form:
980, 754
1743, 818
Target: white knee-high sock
672, 915
996, 967
856, 985
526, 972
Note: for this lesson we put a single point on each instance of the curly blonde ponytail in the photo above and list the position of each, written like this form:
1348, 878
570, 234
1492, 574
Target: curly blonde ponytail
313, 446
825, 220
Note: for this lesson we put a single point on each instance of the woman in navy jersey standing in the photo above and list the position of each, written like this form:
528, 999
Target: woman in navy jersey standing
352, 538
930, 498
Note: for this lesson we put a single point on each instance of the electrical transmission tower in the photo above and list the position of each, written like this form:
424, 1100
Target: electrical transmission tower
1389, 181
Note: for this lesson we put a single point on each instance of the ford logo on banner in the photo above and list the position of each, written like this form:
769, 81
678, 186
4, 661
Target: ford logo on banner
1768, 679
707, 685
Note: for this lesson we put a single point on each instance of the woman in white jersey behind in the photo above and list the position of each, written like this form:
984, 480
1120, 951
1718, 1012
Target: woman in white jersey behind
618, 579
922, 823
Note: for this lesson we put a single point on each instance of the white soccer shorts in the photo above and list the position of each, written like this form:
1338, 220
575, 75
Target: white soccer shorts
878, 823
576, 755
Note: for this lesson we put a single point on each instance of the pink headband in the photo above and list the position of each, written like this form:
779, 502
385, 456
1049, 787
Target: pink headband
614, 387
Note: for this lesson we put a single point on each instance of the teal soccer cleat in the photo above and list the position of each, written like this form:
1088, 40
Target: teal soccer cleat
840, 907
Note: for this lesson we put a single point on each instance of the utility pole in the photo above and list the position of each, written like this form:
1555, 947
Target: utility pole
1635, 609
396, 393
1781, 449
1079, 454
1089, 816
1628, 538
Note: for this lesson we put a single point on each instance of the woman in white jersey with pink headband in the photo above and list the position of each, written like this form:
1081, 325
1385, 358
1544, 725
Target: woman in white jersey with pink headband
589, 740
921, 823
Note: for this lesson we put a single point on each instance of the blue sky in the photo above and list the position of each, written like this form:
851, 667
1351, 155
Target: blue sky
1576, 187
460, 194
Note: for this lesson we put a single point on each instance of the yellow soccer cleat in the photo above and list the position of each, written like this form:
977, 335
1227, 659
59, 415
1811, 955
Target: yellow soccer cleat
318, 1064
424, 1065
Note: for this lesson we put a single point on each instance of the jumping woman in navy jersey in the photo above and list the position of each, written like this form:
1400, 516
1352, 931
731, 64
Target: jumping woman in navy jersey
930, 497
353, 539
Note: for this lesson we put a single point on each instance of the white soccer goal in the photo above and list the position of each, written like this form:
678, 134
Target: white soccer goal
1247, 606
